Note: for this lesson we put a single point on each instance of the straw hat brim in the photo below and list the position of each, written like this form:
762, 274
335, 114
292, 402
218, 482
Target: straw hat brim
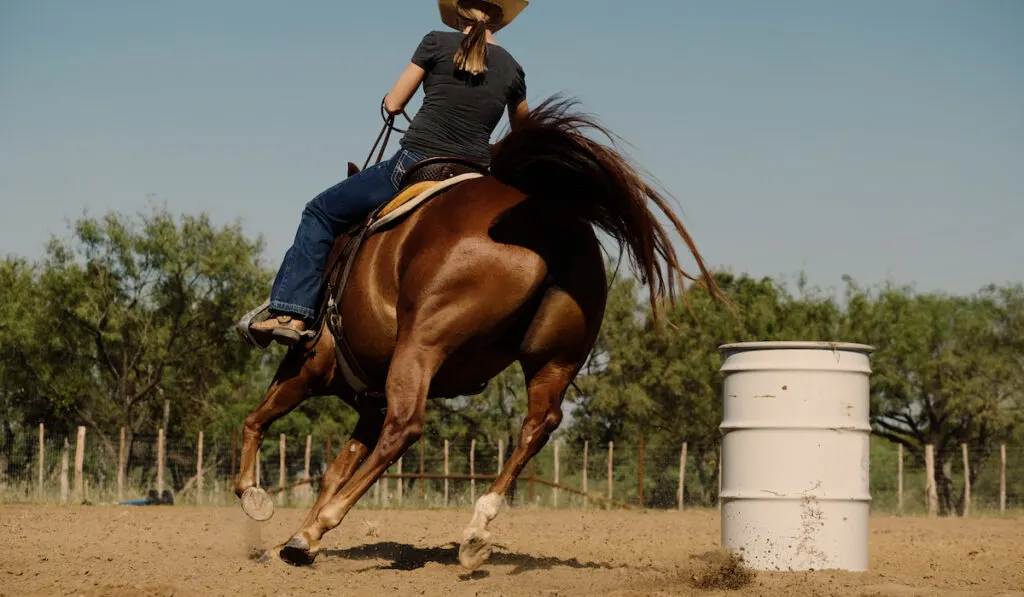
510, 9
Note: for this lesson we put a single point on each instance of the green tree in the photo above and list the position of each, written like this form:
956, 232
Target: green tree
21, 401
494, 414
130, 311
663, 382
946, 371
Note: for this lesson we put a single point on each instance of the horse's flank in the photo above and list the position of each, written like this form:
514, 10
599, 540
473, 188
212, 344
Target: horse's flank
476, 263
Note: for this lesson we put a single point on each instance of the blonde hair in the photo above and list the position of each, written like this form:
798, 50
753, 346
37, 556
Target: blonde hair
472, 53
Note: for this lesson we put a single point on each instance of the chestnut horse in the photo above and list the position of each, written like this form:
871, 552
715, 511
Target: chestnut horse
497, 269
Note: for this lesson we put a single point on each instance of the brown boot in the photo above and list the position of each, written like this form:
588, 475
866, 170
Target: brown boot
283, 328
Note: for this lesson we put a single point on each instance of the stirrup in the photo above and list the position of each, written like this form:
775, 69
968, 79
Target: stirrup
262, 313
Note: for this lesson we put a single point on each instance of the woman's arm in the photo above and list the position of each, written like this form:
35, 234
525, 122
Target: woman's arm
404, 89
517, 114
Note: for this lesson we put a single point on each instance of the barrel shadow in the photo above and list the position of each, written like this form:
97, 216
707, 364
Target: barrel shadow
402, 556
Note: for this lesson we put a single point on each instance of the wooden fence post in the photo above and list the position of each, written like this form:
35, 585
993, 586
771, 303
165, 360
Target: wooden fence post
611, 450
309, 455
967, 481
282, 470
64, 472
79, 465
376, 489
122, 463
586, 446
42, 451
640, 472
199, 471
533, 477
682, 476
446, 473
501, 454
423, 455
1002, 478
167, 411
931, 495
259, 467
160, 462
554, 490
899, 478
472, 470
401, 484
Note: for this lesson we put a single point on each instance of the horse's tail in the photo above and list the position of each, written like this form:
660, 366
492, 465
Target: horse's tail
548, 156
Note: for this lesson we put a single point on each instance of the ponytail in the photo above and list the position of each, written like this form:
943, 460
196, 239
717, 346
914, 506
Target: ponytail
472, 53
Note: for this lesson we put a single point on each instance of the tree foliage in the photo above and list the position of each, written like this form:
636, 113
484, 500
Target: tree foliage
127, 312
947, 371
663, 382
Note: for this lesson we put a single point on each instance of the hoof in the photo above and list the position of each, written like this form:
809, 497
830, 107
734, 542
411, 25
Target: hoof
475, 549
257, 504
299, 551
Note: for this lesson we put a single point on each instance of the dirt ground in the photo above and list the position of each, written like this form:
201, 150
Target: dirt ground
178, 550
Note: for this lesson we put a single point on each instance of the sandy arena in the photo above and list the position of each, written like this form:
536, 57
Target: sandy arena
122, 551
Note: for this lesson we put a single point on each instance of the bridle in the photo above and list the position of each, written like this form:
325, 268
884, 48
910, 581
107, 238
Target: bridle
385, 132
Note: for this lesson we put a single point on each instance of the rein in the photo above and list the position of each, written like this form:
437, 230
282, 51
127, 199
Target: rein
385, 132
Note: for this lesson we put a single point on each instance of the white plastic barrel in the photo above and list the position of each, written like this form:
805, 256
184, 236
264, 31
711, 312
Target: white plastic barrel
795, 445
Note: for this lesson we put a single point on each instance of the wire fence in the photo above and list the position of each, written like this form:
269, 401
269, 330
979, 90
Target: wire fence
82, 466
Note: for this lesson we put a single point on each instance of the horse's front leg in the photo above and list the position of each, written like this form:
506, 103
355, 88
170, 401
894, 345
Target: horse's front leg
353, 453
298, 377
407, 386
364, 439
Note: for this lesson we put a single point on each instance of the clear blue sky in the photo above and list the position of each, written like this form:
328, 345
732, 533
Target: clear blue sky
879, 139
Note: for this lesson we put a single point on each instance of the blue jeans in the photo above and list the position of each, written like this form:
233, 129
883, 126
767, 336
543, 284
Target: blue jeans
327, 215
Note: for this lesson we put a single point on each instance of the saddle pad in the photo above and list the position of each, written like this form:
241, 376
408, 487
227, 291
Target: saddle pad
404, 195
413, 196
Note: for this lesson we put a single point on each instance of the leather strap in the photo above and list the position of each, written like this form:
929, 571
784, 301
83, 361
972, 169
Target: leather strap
354, 375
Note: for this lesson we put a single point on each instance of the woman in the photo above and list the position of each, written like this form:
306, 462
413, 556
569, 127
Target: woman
468, 82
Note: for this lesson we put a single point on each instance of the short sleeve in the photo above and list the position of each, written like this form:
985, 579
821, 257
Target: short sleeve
517, 91
425, 55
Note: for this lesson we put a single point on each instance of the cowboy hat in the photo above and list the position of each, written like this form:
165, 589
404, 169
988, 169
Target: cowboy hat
510, 9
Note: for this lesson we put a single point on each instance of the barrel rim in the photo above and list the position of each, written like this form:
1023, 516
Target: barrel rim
796, 345
749, 495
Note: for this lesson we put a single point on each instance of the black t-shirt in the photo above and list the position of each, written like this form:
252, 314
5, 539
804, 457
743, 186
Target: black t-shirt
460, 110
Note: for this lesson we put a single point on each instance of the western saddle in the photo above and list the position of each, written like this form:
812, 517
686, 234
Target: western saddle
424, 180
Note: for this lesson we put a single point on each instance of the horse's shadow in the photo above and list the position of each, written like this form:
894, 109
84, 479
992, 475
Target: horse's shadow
402, 556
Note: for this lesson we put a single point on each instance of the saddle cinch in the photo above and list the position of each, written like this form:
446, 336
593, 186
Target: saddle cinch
424, 180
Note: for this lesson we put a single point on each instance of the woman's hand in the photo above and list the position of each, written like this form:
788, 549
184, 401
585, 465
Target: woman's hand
403, 90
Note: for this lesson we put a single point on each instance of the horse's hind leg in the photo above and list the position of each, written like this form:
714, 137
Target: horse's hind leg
546, 387
556, 346
363, 441
296, 379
